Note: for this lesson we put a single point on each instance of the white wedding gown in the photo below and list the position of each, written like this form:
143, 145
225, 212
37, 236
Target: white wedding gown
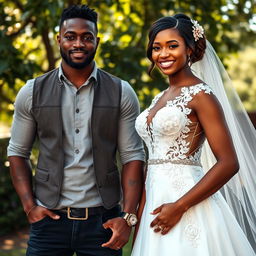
207, 229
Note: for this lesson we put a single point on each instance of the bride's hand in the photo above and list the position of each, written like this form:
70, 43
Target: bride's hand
168, 216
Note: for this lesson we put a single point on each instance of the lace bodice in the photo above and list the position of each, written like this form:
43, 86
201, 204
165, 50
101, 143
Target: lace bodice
171, 133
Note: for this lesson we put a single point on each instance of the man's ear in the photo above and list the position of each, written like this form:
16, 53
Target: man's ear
98, 41
58, 38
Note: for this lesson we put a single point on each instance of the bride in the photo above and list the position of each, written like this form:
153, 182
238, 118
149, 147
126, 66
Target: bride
186, 126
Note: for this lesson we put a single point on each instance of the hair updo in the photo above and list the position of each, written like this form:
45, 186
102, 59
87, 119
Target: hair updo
183, 24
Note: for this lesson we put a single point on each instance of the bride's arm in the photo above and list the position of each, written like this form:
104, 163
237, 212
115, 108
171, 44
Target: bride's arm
211, 118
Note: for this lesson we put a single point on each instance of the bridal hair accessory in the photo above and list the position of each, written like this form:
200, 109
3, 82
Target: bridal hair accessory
198, 30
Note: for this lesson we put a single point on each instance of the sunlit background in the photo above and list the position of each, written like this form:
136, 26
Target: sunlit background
28, 48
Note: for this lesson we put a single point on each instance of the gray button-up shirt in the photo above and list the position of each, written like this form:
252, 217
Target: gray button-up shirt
79, 185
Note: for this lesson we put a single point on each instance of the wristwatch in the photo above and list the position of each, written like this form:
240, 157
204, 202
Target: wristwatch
130, 218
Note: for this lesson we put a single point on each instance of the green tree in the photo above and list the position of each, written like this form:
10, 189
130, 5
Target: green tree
243, 76
29, 27
28, 30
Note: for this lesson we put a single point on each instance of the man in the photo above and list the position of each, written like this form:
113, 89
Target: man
81, 115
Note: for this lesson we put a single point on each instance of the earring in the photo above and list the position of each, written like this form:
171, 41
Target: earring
189, 60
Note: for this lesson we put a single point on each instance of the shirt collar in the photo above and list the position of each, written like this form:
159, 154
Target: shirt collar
92, 77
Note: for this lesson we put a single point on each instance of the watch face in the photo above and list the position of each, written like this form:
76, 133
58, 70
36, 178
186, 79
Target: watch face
133, 219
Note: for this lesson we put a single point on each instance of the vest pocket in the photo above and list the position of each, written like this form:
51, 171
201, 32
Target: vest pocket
42, 175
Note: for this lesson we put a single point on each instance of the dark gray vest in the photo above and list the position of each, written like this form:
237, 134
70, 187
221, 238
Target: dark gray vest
46, 110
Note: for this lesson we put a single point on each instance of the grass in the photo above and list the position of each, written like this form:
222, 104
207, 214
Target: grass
15, 252
22, 252
127, 248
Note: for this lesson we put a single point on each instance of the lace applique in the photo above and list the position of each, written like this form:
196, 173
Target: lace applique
181, 147
177, 181
192, 231
170, 124
149, 127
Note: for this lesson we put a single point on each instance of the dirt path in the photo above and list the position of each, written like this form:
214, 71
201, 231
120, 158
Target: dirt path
15, 240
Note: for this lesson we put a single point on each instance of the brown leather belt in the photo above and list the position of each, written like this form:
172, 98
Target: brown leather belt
82, 213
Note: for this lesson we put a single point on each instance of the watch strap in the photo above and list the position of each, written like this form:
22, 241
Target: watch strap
124, 215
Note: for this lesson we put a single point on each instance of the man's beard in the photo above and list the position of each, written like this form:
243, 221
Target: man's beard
76, 65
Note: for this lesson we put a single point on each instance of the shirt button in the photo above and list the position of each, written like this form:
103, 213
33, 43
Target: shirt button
77, 151
77, 110
77, 130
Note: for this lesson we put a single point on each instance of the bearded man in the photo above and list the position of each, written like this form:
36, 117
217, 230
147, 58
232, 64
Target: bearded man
81, 116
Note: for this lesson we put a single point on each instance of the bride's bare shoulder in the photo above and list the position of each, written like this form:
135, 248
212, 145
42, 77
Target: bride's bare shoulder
204, 99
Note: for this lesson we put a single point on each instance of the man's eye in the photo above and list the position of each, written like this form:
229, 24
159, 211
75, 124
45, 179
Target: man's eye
88, 38
70, 38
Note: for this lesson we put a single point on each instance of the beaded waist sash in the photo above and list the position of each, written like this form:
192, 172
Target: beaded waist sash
182, 161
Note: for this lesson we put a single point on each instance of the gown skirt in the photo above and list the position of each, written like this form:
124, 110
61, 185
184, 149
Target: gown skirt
206, 229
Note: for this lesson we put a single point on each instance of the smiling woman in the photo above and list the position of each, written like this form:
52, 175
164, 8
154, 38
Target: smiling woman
170, 56
181, 210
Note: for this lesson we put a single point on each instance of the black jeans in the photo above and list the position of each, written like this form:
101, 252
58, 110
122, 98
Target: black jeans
64, 237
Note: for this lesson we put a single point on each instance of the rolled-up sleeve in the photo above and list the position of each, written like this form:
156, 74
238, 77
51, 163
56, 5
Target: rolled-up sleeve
130, 145
23, 125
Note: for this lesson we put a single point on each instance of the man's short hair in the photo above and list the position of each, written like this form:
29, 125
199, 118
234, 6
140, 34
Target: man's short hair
79, 11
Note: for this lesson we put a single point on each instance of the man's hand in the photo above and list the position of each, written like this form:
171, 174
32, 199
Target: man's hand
121, 233
39, 212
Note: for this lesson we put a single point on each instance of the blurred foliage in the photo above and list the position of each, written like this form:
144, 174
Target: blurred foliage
28, 31
242, 67
12, 216
11, 212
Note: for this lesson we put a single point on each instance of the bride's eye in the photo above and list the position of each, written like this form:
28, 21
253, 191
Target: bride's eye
172, 46
155, 48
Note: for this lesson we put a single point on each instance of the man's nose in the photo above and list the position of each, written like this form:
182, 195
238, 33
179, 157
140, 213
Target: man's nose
78, 42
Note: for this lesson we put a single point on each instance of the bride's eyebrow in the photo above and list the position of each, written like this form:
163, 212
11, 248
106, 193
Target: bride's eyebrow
171, 41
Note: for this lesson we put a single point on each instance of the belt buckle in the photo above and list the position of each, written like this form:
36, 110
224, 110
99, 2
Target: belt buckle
78, 218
